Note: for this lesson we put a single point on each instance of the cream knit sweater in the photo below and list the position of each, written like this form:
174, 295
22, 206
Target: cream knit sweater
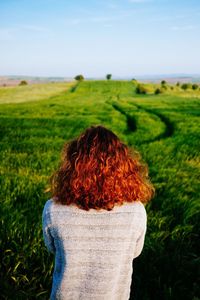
94, 250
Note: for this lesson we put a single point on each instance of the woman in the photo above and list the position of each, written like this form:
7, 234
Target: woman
95, 222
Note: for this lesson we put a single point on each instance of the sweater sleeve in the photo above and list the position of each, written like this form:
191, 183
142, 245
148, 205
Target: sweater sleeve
141, 238
139, 244
46, 228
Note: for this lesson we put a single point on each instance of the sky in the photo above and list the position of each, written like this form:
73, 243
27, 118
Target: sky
126, 38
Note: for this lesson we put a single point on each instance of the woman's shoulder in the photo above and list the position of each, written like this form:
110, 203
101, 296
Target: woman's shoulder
53, 207
48, 206
138, 212
137, 207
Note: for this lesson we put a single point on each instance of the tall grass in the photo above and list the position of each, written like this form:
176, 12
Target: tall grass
164, 128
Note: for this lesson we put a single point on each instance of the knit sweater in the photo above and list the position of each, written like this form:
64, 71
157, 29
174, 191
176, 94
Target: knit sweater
94, 250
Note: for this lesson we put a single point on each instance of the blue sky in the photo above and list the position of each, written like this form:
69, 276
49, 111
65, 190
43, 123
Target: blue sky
96, 37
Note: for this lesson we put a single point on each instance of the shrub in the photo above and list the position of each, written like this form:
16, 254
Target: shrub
195, 86
108, 76
163, 82
158, 91
23, 82
79, 77
164, 86
134, 81
186, 86
141, 89
178, 83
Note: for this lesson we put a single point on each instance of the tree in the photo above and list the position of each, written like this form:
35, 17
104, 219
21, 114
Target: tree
158, 91
79, 77
186, 86
23, 82
108, 76
141, 89
195, 86
163, 82
134, 81
164, 86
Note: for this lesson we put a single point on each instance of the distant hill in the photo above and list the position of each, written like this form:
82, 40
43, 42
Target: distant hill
171, 78
13, 80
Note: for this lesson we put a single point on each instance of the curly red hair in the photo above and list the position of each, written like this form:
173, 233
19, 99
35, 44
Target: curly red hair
99, 171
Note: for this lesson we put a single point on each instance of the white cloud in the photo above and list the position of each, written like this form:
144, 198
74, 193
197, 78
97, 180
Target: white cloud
75, 21
102, 19
8, 34
12, 33
112, 6
140, 1
108, 25
33, 28
184, 27
98, 19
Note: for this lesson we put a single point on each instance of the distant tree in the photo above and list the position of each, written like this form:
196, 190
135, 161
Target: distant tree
79, 77
178, 83
141, 89
23, 82
186, 86
108, 76
134, 80
164, 86
163, 82
157, 91
195, 86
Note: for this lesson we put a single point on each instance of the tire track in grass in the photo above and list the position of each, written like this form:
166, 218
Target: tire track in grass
169, 126
132, 125
130, 121
74, 88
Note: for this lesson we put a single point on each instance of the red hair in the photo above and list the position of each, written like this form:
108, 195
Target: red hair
99, 171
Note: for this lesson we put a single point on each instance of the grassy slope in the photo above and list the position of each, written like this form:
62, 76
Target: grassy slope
34, 92
163, 128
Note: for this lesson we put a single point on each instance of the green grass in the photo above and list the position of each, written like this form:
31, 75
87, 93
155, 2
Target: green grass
34, 92
163, 128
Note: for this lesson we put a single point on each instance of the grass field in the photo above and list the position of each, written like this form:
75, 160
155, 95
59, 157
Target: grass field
164, 128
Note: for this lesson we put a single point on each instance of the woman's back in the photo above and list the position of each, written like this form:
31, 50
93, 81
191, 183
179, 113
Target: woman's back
93, 249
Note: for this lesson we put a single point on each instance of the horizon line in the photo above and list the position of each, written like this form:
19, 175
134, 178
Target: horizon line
102, 76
